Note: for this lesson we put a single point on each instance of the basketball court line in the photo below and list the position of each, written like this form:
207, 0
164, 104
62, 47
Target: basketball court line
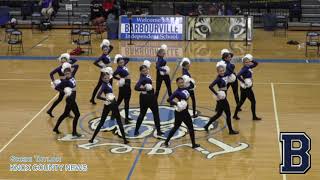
45, 38
284, 176
136, 159
28, 123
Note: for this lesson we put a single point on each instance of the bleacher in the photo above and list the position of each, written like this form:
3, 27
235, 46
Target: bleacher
310, 9
63, 19
256, 8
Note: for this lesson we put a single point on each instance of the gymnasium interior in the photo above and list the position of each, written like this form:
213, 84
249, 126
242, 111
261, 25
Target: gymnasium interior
283, 36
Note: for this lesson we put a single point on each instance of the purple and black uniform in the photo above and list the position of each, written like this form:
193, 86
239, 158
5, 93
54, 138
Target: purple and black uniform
125, 90
180, 94
234, 85
229, 68
246, 72
160, 63
221, 82
186, 72
147, 100
106, 88
191, 91
69, 82
143, 81
46, 3
104, 58
58, 70
183, 116
222, 104
71, 105
103, 61
123, 71
166, 78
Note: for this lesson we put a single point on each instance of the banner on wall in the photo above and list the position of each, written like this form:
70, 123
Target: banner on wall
231, 28
152, 28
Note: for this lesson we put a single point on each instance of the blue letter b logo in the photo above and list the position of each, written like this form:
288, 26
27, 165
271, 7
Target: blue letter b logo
291, 152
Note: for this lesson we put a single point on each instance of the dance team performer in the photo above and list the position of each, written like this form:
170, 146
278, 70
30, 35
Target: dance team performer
246, 84
66, 85
124, 81
64, 58
103, 61
110, 104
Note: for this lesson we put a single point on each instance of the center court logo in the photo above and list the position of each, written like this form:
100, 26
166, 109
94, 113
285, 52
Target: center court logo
147, 130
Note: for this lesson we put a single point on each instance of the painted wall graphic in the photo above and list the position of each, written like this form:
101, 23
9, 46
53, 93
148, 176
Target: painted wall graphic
219, 28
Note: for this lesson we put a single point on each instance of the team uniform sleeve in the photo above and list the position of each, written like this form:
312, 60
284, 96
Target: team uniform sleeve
232, 67
73, 60
138, 86
110, 49
96, 62
109, 60
211, 87
255, 64
115, 73
191, 86
186, 72
62, 85
171, 99
126, 60
54, 72
158, 66
99, 95
75, 69
239, 75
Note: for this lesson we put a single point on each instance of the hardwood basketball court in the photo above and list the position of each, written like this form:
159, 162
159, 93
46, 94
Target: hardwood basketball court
286, 86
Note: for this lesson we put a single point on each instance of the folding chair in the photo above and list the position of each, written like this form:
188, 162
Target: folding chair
36, 18
15, 43
75, 31
312, 41
84, 41
282, 24
8, 30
